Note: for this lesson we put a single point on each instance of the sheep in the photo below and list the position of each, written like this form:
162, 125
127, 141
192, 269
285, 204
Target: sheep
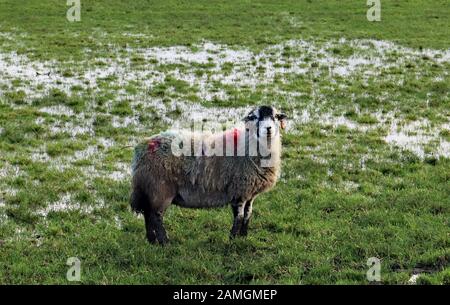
205, 179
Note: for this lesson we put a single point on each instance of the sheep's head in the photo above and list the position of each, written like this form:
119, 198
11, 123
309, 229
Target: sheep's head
265, 121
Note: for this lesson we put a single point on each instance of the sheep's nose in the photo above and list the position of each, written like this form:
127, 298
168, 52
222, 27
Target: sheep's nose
269, 128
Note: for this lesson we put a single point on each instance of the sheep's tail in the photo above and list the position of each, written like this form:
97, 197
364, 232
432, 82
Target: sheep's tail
139, 201
139, 152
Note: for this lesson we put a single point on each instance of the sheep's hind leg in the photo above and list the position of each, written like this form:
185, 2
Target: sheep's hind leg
150, 227
140, 203
157, 219
238, 213
248, 208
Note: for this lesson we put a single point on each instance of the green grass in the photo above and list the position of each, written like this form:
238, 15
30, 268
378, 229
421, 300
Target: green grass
345, 193
253, 23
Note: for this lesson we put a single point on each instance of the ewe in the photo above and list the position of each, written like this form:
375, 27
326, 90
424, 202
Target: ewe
187, 169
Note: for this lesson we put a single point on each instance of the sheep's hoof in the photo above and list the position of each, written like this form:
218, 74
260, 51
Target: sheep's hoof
158, 242
152, 241
163, 241
151, 238
234, 235
239, 234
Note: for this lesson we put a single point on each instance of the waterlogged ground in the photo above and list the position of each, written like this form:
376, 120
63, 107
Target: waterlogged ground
365, 159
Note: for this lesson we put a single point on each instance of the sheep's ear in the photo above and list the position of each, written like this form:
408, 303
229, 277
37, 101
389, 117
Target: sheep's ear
282, 118
250, 117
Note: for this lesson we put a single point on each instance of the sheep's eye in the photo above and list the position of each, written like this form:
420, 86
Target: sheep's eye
281, 116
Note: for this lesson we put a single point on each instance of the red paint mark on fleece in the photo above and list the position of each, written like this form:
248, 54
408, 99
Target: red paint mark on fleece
153, 145
235, 137
235, 133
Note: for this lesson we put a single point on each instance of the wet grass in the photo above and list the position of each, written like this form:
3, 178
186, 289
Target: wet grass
345, 194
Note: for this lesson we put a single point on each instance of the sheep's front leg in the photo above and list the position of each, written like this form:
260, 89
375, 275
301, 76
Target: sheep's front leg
238, 213
248, 208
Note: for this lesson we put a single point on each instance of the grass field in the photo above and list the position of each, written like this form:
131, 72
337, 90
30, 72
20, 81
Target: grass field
366, 165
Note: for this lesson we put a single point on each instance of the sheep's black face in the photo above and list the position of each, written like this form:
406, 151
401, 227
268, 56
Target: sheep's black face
265, 121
